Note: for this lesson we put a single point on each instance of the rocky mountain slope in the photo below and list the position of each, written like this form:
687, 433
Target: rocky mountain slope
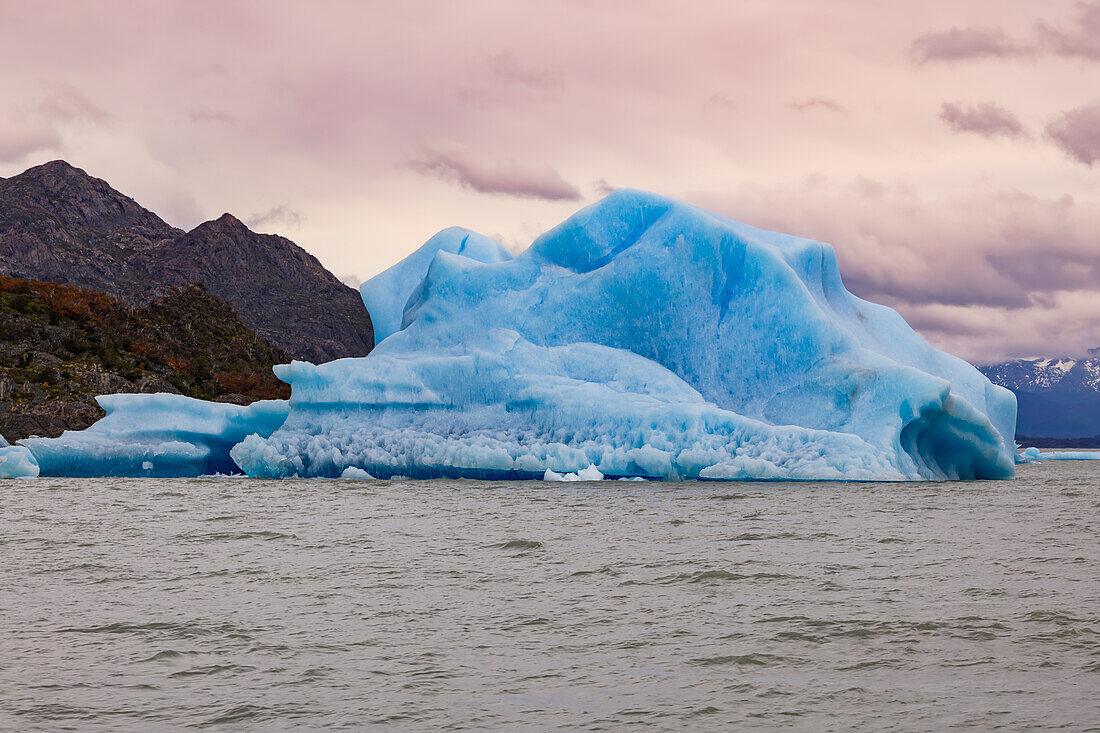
61, 225
1057, 398
61, 346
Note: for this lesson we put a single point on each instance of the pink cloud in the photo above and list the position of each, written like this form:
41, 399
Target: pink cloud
960, 44
1077, 133
986, 119
1081, 40
829, 105
500, 177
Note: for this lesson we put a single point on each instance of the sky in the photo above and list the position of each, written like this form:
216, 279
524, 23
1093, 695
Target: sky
948, 150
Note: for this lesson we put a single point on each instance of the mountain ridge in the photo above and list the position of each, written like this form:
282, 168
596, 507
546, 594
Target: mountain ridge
60, 224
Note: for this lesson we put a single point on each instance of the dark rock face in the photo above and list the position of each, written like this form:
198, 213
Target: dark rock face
61, 225
279, 290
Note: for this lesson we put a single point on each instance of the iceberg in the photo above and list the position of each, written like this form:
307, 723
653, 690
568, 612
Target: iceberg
385, 294
642, 337
162, 435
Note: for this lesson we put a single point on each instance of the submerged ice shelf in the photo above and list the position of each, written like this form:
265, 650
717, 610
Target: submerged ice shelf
641, 338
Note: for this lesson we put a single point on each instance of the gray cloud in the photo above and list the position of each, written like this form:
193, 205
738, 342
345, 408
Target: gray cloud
1077, 132
65, 103
352, 281
505, 177
958, 44
1082, 41
37, 127
603, 188
20, 138
719, 102
829, 105
986, 119
281, 214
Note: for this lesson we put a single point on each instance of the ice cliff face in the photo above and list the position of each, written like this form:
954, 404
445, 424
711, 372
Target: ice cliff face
647, 338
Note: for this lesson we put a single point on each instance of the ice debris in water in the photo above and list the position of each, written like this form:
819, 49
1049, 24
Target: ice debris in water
585, 474
646, 338
156, 435
352, 473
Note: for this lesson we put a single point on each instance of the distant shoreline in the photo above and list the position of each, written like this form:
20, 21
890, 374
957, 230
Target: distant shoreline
1093, 442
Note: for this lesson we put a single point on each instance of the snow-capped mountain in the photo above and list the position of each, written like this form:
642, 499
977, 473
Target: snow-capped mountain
1040, 375
1058, 398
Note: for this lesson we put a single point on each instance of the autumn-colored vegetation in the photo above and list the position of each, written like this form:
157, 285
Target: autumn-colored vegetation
188, 338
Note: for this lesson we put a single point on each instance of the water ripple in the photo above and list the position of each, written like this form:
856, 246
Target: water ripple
135, 605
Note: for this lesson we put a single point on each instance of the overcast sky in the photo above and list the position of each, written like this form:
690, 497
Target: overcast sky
949, 150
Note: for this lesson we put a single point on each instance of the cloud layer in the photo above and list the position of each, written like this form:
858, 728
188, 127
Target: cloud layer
360, 129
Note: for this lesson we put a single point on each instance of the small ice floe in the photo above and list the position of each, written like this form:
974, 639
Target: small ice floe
585, 474
351, 473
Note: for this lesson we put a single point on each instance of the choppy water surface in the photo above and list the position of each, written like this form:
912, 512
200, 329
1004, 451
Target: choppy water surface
237, 604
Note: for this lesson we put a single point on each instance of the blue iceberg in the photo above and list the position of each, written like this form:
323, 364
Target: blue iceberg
642, 338
163, 435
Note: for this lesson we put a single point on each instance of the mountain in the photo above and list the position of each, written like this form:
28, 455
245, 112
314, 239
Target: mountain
59, 224
60, 346
1058, 398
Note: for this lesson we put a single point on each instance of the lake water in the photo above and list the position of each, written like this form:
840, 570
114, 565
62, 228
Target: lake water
137, 605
